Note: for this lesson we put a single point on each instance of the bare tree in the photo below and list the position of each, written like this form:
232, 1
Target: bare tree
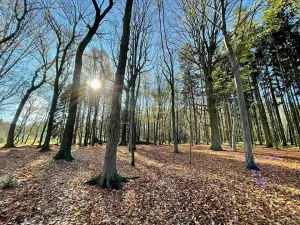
109, 178
65, 41
18, 35
34, 85
65, 148
13, 25
138, 51
202, 41
169, 67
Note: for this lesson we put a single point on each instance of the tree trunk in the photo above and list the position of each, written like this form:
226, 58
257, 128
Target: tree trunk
109, 177
46, 145
125, 120
234, 121
175, 138
197, 141
42, 134
12, 128
88, 125
170, 127
206, 128
191, 132
132, 123
76, 126
148, 124
272, 120
29, 132
94, 123
36, 134
275, 105
102, 122
259, 135
262, 114
250, 163
294, 115
156, 128
213, 115
81, 126
65, 147
235, 68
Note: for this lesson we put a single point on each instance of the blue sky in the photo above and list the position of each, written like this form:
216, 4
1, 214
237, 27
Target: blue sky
111, 33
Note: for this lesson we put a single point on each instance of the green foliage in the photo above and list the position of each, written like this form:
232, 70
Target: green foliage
276, 7
4, 126
9, 181
223, 82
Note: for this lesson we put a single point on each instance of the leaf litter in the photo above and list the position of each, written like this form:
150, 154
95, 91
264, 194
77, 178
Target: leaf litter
214, 189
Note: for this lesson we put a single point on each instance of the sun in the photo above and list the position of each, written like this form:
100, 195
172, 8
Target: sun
95, 84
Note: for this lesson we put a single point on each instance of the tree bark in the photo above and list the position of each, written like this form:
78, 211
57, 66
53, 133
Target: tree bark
197, 141
125, 121
36, 134
42, 134
94, 123
191, 130
102, 122
87, 125
234, 122
65, 147
262, 114
46, 145
235, 68
275, 106
148, 123
132, 123
76, 126
213, 115
12, 128
109, 177
175, 138
250, 163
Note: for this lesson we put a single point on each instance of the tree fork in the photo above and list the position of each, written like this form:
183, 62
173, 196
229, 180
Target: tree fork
65, 148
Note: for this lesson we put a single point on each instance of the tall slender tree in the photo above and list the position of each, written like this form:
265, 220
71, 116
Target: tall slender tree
168, 68
65, 148
202, 41
34, 85
62, 55
109, 177
225, 11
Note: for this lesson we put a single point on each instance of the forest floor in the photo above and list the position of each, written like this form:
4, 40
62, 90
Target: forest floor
214, 189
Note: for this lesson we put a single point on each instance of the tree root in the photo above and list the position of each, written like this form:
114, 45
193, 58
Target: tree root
252, 167
126, 179
217, 149
67, 157
123, 144
9, 146
44, 149
110, 184
93, 180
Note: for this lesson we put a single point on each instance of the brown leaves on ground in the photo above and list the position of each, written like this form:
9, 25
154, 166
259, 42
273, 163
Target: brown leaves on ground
214, 189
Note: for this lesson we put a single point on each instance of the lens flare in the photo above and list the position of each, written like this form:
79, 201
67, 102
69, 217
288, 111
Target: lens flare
95, 84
